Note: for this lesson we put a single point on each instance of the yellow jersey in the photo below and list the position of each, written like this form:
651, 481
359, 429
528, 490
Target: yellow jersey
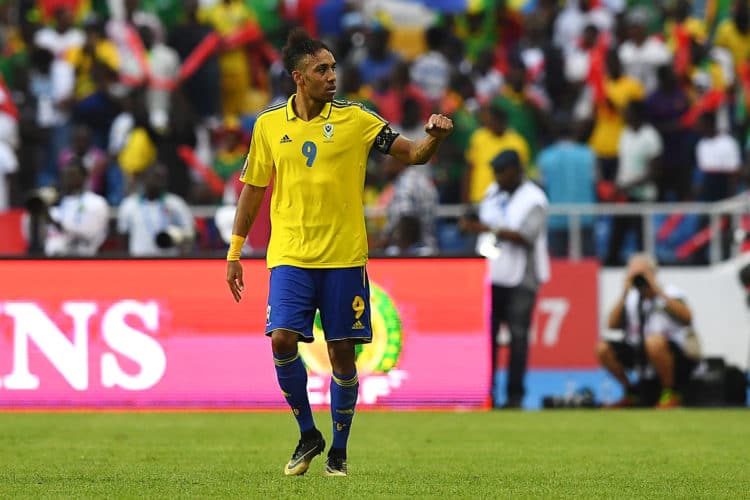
484, 146
317, 212
605, 138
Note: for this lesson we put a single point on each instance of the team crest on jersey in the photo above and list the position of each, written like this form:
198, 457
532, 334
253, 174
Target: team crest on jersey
328, 132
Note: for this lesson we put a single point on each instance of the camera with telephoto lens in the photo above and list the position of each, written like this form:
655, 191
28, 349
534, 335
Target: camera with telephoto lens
171, 237
39, 200
640, 281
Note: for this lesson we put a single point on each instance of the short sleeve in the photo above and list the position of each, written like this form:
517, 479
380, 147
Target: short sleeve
376, 130
258, 166
655, 142
124, 215
734, 161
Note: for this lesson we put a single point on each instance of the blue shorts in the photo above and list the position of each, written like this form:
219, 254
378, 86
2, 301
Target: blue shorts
342, 295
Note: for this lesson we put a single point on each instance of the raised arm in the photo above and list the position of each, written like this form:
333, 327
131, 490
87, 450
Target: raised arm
410, 152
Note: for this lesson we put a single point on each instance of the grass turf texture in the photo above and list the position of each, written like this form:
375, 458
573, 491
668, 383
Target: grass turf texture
554, 454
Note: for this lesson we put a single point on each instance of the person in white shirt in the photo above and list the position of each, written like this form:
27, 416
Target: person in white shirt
63, 36
163, 66
719, 160
513, 223
156, 223
78, 224
655, 320
51, 84
575, 17
641, 54
639, 151
431, 71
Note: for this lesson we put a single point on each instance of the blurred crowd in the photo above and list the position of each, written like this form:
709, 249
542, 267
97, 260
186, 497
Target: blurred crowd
603, 100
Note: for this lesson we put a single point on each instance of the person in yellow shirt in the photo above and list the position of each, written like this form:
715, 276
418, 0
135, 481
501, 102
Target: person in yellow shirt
316, 148
226, 17
734, 33
619, 91
484, 145
97, 48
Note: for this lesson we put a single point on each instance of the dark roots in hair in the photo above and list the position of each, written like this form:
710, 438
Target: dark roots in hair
298, 45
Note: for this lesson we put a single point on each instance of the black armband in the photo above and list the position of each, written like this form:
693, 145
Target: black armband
384, 139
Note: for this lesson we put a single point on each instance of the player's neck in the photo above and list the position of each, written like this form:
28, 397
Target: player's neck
306, 108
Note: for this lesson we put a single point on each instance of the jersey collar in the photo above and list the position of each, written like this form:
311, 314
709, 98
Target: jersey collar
325, 113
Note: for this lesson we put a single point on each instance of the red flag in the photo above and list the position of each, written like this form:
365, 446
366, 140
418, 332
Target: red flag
215, 183
249, 33
198, 56
596, 76
682, 50
710, 101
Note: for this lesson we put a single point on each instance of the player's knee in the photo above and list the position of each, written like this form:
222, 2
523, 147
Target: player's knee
342, 356
603, 350
656, 345
284, 342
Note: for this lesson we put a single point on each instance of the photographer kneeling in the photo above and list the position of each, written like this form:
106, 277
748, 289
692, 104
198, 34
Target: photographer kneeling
656, 323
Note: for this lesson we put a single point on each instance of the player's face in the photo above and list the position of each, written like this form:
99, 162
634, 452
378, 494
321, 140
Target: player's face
317, 79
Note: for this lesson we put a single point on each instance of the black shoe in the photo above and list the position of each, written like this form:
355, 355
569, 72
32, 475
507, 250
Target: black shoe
306, 450
335, 466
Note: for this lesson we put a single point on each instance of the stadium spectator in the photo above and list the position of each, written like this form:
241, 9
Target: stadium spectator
379, 62
619, 89
486, 78
639, 151
734, 34
93, 158
568, 175
95, 49
230, 17
61, 37
51, 85
202, 88
163, 66
155, 222
351, 87
485, 143
122, 30
414, 194
642, 54
431, 70
139, 147
391, 96
523, 104
78, 224
461, 105
718, 159
318, 246
513, 220
664, 108
655, 321
231, 151
477, 28
575, 17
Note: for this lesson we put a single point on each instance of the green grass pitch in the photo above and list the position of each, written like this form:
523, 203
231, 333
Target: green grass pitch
547, 454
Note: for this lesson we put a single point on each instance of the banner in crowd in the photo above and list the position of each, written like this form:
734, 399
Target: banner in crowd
167, 334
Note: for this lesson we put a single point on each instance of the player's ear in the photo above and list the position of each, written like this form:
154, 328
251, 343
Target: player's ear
298, 77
